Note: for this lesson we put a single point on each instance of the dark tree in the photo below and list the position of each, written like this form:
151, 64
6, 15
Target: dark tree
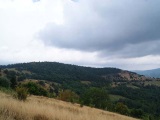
6, 71
122, 109
138, 113
96, 97
4, 82
13, 82
0, 72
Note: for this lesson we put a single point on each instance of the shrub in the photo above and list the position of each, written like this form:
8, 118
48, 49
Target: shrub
122, 109
138, 113
4, 82
35, 89
42, 83
95, 97
68, 96
13, 81
21, 93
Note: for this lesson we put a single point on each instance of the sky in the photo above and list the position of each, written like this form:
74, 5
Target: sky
98, 33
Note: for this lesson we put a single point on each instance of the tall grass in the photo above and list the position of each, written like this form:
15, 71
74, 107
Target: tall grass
7, 90
41, 108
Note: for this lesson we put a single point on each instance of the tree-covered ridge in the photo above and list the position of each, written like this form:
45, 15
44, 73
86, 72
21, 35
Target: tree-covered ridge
70, 76
58, 72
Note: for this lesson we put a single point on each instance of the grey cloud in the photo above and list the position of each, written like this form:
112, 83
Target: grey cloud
134, 50
124, 28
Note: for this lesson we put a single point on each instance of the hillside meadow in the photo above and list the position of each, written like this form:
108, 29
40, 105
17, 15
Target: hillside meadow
43, 108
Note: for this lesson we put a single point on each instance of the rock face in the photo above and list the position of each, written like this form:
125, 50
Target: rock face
131, 76
125, 75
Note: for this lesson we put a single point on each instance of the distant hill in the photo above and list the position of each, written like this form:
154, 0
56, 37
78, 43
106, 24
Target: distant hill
60, 72
150, 73
76, 78
69, 76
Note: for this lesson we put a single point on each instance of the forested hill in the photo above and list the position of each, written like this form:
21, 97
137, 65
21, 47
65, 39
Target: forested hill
60, 72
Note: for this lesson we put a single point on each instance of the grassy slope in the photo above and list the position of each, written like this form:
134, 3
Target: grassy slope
41, 108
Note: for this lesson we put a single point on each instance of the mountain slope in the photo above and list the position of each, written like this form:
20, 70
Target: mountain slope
76, 78
41, 108
150, 73
54, 71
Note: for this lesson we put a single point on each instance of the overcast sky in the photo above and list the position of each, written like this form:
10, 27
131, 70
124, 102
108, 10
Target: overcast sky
99, 33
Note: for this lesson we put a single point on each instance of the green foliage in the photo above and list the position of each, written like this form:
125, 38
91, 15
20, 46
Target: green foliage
64, 73
138, 113
121, 108
21, 93
6, 71
69, 96
0, 71
10, 74
146, 97
8, 91
42, 83
4, 82
21, 77
95, 97
35, 89
13, 82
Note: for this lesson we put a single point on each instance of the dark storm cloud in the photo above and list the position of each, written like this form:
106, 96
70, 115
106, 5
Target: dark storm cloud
124, 28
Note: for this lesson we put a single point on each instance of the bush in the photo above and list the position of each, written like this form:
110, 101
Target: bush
138, 113
35, 89
122, 109
13, 81
68, 96
21, 93
42, 83
7, 91
95, 97
4, 82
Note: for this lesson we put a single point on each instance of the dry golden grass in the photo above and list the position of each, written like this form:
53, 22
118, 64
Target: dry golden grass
41, 108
